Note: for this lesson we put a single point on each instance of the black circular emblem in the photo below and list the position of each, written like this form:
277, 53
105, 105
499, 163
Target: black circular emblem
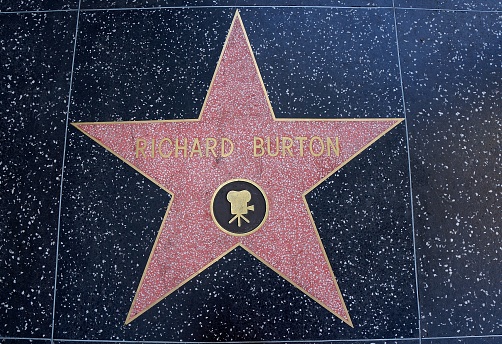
239, 207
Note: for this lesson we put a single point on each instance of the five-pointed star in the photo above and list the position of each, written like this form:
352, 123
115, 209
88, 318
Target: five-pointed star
236, 107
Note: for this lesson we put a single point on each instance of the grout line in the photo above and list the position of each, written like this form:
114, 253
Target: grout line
242, 342
248, 7
410, 179
447, 9
466, 337
246, 342
24, 338
290, 6
278, 341
229, 6
287, 6
62, 173
39, 11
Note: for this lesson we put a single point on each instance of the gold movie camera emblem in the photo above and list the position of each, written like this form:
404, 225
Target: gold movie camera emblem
239, 207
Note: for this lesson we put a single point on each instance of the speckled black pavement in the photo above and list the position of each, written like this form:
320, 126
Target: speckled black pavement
411, 226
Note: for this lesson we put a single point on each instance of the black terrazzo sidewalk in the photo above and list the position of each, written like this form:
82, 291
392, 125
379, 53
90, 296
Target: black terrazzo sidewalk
411, 226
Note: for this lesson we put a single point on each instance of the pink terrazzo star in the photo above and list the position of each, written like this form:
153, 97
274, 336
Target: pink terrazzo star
300, 158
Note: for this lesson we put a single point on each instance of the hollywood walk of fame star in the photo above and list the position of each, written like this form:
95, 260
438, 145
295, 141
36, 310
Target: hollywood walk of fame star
238, 139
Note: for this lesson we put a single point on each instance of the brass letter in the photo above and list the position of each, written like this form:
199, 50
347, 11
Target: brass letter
287, 146
210, 147
336, 148
161, 142
276, 146
301, 139
255, 147
311, 146
195, 148
140, 147
223, 140
178, 147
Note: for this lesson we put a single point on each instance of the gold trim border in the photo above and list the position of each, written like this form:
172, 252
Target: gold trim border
237, 17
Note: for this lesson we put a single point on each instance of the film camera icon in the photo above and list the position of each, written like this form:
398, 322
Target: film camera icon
239, 205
